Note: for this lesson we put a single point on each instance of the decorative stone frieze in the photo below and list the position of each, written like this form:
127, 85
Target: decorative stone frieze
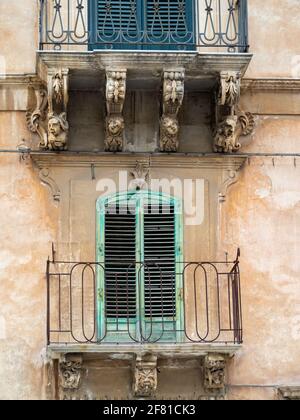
115, 98
141, 176
214, 372
173, 94
145, 376
231, 122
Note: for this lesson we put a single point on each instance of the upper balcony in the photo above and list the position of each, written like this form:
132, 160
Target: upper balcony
204, 36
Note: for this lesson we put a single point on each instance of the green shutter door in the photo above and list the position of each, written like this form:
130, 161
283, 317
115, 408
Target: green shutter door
141, 252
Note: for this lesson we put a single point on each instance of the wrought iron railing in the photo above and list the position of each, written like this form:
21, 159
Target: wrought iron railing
130, 302
216, 25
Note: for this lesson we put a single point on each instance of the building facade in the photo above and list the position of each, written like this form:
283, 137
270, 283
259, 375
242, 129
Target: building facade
150, 199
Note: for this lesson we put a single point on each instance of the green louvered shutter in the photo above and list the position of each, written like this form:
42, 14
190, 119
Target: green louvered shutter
141, 24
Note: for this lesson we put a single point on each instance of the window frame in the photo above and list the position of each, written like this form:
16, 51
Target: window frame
139, 198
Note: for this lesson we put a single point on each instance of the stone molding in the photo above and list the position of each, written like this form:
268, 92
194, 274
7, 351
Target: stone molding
140, 175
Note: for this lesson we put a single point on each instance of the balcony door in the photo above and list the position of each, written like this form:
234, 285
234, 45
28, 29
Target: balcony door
139, 246
141, 24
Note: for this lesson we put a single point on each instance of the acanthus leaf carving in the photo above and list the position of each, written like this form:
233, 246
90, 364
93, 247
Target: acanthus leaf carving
115, 98
145, 377
229, 88
173, 94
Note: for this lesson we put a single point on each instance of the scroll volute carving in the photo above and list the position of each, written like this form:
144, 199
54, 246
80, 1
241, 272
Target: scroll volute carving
115, 98
51, 124
173, 94
231, 122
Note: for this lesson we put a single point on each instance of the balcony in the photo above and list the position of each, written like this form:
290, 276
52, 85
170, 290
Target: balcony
127, 307
178, 25
203, 37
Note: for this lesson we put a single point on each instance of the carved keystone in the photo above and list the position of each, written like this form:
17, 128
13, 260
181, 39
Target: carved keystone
145, 376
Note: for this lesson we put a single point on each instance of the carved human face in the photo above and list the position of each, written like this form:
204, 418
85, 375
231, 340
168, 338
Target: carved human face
115, 126
171, 126
54, 127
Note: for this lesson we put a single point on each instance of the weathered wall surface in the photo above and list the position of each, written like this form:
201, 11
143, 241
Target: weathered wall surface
28, 222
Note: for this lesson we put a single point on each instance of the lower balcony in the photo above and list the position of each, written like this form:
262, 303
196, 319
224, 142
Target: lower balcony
128, 307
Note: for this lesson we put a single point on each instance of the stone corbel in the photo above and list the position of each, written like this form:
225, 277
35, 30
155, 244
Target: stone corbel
58, 98
70, 370
145, 376
214, 372
173, 94
231, 179
115, 98
231, 123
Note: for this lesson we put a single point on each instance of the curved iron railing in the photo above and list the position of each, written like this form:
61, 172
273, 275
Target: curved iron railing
202, 304
144, 24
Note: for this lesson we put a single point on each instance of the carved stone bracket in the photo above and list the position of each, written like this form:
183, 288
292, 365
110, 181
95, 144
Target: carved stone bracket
70, 371
145, 376
115, 98
51, 126
214, 372
141, 176
58, 98
173, 94
44, 174
231, 122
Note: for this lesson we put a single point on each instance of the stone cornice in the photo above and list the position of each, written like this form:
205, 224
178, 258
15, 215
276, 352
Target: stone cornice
193, 62
271, 84
290, 392
20, 80
122, 351
77, 160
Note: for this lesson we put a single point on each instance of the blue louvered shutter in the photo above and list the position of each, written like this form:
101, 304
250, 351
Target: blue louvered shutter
141, 24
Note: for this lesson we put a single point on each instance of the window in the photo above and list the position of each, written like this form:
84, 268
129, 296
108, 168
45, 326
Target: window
141, 24
139, 244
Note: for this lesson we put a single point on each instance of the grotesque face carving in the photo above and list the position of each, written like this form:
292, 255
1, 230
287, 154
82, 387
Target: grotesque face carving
58, 131
54, 127
226, 136
170, 126
115, 126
